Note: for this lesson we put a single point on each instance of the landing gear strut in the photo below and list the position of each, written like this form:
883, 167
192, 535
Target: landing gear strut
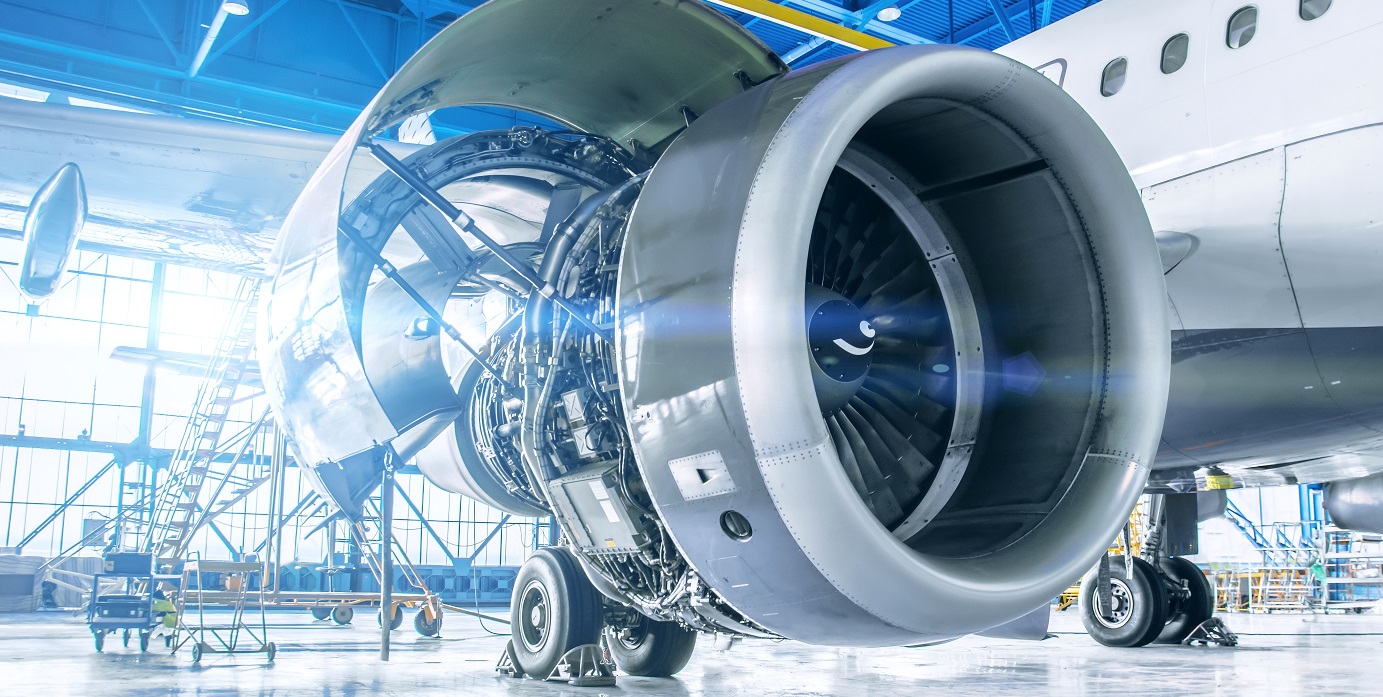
1153, 597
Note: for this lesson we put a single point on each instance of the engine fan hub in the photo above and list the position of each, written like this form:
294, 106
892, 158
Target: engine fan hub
842, 344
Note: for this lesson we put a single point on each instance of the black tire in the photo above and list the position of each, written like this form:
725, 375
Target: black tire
555, 610
321, 612
125, 638
342, 614
100, 640
143, 641
1140, 605
197, 652
395, 622
1189, 614
426, 627
271, 650
651, 649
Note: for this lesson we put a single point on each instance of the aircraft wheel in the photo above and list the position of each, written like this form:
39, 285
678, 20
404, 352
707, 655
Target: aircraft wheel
651, 649
555, 610
342, 614
1191, 612
1140, 605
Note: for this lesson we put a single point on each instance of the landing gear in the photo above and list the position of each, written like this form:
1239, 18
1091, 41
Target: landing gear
555, 610
650, 648
1137, 605
1190, 600
1160, 598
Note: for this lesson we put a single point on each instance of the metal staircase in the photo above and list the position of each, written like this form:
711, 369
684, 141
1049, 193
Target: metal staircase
1280, 544
182, 505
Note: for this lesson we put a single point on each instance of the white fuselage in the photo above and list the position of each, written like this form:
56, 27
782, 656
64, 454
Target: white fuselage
1270, 155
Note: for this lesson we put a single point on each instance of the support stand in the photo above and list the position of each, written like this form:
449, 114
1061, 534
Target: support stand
1212, 631
386, 557
584, 666
508, 664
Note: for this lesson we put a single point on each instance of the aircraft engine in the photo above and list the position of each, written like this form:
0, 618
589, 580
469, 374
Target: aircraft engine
871, 353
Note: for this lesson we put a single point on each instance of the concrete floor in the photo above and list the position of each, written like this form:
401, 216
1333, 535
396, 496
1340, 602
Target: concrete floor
50, 654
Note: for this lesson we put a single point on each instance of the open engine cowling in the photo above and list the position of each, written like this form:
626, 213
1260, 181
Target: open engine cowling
890, 348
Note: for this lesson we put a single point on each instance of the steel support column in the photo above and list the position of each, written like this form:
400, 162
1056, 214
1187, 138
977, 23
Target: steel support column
386, 552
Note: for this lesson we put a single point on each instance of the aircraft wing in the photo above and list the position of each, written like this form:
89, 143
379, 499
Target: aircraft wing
188, 191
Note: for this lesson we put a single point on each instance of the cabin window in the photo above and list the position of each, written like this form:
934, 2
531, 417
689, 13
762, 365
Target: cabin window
1113, 78
1241, 27
1175, 52
1313, 9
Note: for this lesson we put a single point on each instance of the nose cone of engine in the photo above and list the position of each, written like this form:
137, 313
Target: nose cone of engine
842, 343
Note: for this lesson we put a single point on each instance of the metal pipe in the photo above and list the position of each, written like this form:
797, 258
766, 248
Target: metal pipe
462, 222
62, 508
455, 563
223, 10
386, 554
803, 22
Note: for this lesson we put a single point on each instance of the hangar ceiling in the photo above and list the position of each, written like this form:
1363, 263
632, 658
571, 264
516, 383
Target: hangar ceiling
312, 64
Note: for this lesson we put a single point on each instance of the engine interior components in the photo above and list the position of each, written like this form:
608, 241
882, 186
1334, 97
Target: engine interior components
873, 353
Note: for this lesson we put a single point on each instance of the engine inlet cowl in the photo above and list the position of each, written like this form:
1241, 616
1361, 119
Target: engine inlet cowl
822, 283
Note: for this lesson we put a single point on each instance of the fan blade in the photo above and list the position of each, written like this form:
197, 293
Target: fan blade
923, 408
894, 292
911, 354
923, 438
847, 460
897, 256
887, 508
904, 488
935, 386
913, 461
878, 235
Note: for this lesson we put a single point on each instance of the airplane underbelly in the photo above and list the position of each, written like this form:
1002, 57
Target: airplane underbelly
1269, 396
1277, 310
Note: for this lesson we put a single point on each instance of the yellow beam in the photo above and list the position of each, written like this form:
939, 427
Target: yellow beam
801, 21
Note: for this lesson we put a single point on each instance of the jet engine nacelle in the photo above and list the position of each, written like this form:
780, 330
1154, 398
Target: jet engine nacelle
887, 352
1356, 504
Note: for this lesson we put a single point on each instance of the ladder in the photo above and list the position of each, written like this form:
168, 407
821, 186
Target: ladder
181, 506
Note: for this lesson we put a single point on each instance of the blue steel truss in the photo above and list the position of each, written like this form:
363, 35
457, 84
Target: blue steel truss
313, 64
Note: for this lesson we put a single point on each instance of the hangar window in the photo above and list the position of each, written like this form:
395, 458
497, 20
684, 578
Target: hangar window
1241, 27
1113, 78
1313, 9
1175, 52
